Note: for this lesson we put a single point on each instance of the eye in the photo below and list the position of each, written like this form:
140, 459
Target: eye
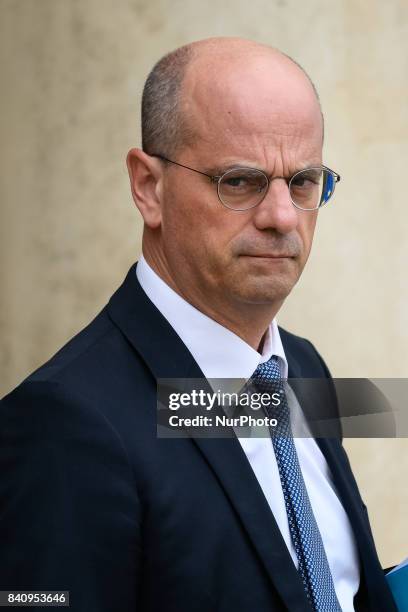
236, 181
242, 188
248, 180
306, 178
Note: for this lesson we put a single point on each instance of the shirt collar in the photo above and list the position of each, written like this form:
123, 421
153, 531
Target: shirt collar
218, 351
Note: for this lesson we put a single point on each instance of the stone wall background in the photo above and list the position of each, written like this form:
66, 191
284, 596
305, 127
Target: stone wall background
71, 76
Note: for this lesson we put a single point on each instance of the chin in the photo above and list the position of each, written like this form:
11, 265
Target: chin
266, 292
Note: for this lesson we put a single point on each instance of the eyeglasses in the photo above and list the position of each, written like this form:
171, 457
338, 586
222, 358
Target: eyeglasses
244, 188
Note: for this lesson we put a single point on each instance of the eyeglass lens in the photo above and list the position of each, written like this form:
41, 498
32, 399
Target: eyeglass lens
244, 188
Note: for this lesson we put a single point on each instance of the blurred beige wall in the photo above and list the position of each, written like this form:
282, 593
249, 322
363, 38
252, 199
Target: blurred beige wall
71, 77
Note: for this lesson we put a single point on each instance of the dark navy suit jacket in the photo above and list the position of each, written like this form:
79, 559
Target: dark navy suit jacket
91, 501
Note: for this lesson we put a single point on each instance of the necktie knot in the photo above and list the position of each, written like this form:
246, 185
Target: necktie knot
267, 379
268, 370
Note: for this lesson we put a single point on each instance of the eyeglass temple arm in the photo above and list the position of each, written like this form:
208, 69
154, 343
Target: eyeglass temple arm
336, 175
210, 176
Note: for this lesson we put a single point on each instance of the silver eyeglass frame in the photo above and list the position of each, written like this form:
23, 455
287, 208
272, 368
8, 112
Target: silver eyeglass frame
217, 179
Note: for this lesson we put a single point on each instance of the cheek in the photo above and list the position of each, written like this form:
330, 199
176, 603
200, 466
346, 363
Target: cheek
220, 235
200, 228
185, 232
306, 230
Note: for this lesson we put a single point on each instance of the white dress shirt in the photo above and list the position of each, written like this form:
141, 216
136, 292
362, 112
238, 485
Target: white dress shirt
222, 354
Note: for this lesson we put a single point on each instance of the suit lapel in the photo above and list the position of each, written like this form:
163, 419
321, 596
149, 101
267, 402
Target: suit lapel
348, 493
167, 357
232, 468
372, 576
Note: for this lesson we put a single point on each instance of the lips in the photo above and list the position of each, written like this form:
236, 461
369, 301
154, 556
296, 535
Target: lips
269, 255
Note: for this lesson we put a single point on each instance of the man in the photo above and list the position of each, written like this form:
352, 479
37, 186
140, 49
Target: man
229, 183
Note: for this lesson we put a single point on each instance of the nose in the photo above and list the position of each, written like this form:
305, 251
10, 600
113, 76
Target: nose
276, 211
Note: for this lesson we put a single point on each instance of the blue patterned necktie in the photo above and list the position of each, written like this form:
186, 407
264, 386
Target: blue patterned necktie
313, 565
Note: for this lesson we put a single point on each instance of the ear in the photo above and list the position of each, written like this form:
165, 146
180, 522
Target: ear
145, 175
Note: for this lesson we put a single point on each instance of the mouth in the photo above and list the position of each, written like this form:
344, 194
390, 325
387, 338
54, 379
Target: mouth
269, 256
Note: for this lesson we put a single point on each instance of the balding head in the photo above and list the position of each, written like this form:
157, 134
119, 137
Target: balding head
214, 70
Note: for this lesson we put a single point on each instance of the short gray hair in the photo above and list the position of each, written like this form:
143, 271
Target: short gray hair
164, 125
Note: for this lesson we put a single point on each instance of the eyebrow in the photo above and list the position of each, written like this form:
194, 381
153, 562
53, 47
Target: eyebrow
222, 168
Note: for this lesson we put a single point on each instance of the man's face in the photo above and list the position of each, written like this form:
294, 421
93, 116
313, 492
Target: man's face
267, 119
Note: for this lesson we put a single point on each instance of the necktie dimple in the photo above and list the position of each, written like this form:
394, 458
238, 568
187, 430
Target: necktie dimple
313, 565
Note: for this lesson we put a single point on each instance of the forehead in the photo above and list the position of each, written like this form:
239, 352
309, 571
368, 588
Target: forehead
260, 102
